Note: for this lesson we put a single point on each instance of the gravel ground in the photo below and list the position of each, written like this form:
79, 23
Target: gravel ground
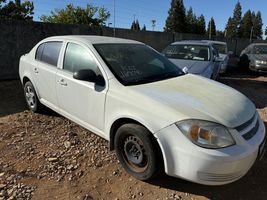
45, 156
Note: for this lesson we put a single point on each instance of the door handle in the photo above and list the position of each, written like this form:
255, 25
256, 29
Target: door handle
62, 82
36, 70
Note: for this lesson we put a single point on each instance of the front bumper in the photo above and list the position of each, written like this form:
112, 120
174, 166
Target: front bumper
259, 67
185, 160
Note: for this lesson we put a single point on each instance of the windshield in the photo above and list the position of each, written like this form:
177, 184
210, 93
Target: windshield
188, 52
134, 64
260, 49
222, 48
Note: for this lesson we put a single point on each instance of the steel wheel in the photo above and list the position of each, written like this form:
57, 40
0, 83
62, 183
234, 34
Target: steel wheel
137, 151
134, 154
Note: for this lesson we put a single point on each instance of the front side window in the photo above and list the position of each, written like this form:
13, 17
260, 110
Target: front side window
50, 52
136, 63
188, 52
222, 48
77, 58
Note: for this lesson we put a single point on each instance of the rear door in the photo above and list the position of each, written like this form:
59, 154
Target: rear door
47, 56
81, 101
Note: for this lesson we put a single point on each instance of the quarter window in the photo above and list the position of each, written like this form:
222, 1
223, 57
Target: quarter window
39, 52
77, 58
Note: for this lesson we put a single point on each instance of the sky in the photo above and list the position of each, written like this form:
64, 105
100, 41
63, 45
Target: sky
146, 10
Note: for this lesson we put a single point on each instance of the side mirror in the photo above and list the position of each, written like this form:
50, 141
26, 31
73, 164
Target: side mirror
90, 76
218, 59
230, 52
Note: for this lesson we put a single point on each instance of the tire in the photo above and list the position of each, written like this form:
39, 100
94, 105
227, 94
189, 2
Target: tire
137, 151
31, 98
244, 62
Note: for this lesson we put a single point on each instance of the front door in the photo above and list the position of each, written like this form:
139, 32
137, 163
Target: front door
81, 101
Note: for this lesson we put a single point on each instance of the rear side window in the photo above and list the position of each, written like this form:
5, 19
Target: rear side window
49, 52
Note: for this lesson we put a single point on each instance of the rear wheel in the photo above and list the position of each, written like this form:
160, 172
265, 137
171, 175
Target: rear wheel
31, 98
137, 151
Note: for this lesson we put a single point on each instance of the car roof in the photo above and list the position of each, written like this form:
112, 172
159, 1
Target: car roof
214, 42
93, 39
192, 42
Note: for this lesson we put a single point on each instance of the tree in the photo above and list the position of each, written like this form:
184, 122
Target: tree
266, 32
144, 28
211, 28
201, 25
191, 21
257, 25
176, 20
233, 24
230, 27
16, 10
135, 25
90, 15
246, 25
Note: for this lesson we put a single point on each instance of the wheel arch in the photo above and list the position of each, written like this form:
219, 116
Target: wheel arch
121, 121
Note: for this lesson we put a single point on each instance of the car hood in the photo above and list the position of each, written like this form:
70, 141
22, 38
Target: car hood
191, 96
259, 57
194, 67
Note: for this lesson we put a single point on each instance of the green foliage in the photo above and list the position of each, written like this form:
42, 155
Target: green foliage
90, 15
233, 25
246, 25
257, 25
211, 28
135, 25
201, 25
16, 10
176, 20
144, 28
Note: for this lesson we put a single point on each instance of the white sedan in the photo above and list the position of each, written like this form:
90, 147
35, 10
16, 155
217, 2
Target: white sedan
153, 114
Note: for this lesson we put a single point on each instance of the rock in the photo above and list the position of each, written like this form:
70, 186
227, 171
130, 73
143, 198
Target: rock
52, 159
2, 186
67, 144
2, 174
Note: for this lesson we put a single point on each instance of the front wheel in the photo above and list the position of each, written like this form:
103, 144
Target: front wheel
136, 151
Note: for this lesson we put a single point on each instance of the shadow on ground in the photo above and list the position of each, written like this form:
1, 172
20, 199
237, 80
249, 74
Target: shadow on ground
253, 86
11, 98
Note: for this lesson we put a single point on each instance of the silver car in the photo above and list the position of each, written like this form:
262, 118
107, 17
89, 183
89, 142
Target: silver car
223, 53
196, 57
254, 57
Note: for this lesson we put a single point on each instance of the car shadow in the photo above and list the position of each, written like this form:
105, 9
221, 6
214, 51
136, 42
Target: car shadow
252, 186
11, 98
254, 89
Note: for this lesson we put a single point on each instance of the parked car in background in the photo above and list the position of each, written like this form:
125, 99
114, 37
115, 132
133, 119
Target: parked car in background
223, 53
153, 114
196, 57
254, 57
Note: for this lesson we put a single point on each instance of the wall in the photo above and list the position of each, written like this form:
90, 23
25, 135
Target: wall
18, 37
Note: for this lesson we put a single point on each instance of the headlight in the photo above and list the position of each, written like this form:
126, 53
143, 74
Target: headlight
262, 62
206, 134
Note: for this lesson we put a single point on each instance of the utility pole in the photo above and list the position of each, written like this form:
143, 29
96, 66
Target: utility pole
210, 31
114, 24
251, 34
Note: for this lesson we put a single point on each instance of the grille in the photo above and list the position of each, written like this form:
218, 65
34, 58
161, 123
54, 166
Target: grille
249, 128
